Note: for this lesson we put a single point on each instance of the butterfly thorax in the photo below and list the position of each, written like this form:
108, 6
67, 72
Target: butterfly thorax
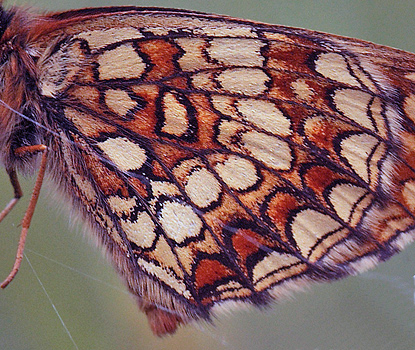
21, 115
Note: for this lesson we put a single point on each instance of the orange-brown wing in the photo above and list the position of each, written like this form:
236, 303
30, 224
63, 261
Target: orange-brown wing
226, 160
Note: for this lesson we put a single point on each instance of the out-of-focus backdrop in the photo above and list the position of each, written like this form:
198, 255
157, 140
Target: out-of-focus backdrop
371, 311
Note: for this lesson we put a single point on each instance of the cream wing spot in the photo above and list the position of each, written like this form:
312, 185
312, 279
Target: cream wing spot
272, 263
264, 115
86, 188
164, 255
229, 130
119, 101
408, 194
86, 123
204, 81
364, 78
121, 205
179, 221
159, 188
345, 198
175, 116
376, 110
409, 106
334, 66
99, 38
354, 104
357, 149
238, 173
309, 226
224, 104
202, 188
194, 57
122, 62
142, 231
270, 150
219, 29
236, 52
245, 81
166, 276
230, 285
278, 37
410, 76
125, 154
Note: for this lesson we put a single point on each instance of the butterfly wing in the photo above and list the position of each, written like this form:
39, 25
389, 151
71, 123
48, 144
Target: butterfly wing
221, 160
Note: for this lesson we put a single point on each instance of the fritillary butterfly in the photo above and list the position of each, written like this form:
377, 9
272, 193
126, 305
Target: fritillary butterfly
218, 160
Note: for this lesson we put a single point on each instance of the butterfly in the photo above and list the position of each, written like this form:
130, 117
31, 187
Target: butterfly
219, 161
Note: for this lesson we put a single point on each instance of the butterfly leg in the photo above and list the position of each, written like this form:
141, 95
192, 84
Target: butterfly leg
17, 193
32, 204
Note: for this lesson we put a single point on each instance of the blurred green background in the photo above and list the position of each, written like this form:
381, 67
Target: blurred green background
371, 311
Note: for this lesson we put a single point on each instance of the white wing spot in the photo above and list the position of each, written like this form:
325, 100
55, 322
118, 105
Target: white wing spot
122, 62
238, 173
119, 101
99, 38
125, 154
308, 226
270, 150
354, 104
265, 115
344, 197
179, 221
202, 188
175, 114
245, 81
142, 231
236, 52
334, 66
357, 150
